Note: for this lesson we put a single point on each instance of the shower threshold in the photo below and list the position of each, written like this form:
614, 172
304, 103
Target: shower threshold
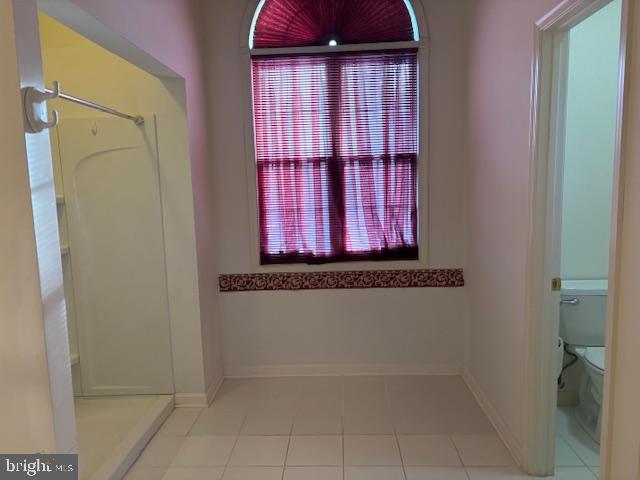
112, 431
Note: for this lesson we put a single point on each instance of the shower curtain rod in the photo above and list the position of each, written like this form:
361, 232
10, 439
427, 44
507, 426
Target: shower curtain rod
137, 119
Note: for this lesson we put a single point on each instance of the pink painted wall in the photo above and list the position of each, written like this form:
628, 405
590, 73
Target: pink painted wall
498, 200
424, 327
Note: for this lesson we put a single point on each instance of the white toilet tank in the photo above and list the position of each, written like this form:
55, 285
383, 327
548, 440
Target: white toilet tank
583, 312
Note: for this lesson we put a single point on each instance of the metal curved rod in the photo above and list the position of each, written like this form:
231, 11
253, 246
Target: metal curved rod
137, 119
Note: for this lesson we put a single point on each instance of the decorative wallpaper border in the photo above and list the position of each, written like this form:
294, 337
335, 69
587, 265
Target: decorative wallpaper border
252, 282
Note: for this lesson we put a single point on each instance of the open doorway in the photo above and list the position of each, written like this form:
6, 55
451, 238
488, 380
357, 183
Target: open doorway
587, 191
575, 198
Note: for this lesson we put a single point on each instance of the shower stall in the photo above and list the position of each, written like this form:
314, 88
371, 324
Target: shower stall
113, 255
110, 219
112, 252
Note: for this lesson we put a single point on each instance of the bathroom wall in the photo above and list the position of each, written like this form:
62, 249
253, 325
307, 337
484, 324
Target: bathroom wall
401, 327
594, 47
165, 30
498, 181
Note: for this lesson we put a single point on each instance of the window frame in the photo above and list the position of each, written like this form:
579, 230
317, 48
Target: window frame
422, 47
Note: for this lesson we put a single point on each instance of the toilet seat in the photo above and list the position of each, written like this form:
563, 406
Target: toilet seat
595, 357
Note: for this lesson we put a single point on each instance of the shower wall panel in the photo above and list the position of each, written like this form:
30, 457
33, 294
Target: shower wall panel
115, 234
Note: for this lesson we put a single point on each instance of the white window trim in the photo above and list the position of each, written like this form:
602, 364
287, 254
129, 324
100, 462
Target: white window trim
424, 205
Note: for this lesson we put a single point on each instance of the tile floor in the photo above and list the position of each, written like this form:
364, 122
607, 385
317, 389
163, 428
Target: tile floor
334, 428
574, 448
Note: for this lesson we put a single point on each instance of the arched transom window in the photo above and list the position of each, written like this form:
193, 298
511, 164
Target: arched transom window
335, 104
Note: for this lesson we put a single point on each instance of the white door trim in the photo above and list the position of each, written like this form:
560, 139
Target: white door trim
546, 154
624, 87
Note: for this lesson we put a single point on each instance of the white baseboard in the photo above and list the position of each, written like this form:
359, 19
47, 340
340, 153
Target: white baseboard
198, 400
193, 400
505, 433
338, 369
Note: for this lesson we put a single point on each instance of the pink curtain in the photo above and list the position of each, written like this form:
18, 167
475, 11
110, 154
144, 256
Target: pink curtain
336, 148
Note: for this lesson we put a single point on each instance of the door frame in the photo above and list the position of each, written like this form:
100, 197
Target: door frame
548, 98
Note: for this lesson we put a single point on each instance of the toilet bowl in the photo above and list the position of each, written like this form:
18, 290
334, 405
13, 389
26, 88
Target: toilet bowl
582, 328
589, 409
594, 363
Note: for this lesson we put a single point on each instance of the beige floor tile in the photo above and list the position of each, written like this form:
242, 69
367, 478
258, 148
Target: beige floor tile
585, 447
373, 473
320, 419
325, 390
436, 473
482, 450
194, 473
569, 430
259, 451
236, 389
145, 473
565, 420
369, 410
574, 473
367, 421
372, 401
204, 451
253, 473
268, 423
180, 421
218, 421
365, 450
315, 451
434, 450
435, 405
276, 393
565, 456
160, 451
497, 473
425, 385
364, 386
434, 419
313, 473
408, 424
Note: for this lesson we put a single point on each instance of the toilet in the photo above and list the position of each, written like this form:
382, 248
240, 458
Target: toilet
583, 314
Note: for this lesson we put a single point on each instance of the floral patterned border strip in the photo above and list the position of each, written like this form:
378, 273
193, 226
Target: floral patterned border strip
252, 282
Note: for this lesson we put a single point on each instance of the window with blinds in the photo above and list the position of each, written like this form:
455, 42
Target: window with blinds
336, 135
336, 149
